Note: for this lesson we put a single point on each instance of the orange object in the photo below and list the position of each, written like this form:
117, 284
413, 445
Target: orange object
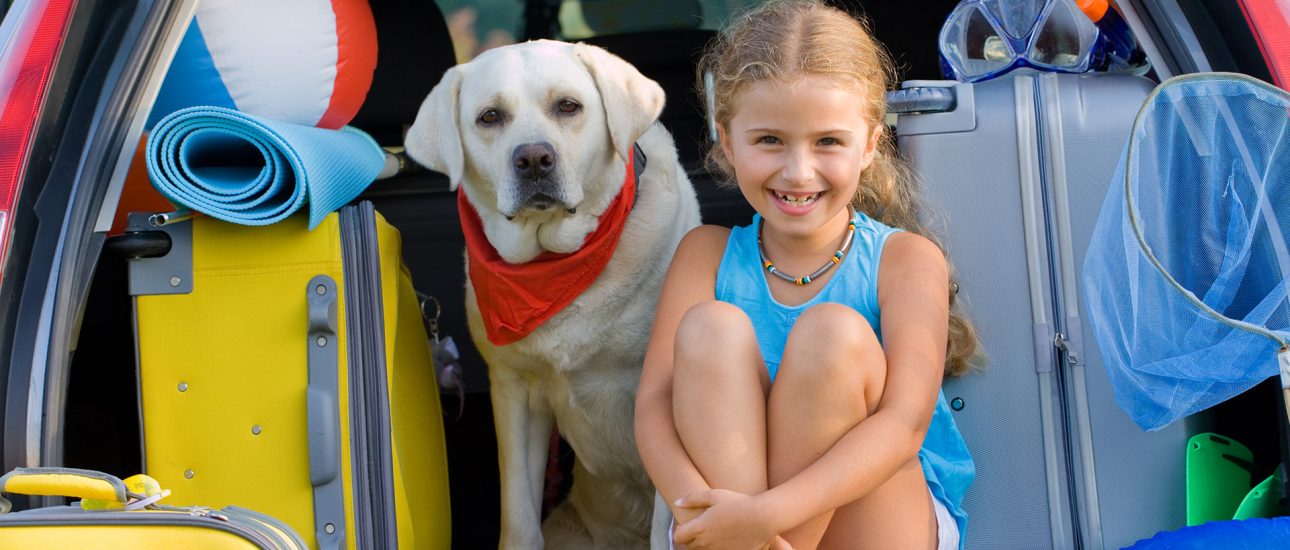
356, 59
138, 195
1094, 9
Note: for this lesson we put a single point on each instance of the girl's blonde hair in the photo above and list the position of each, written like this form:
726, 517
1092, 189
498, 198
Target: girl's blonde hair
783, 39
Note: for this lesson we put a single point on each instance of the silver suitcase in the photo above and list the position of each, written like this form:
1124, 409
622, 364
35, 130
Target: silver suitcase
1015, 171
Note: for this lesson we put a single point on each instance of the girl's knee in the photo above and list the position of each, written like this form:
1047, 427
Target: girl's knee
835, 326
706, 325
836, 342
715, 333
837, 329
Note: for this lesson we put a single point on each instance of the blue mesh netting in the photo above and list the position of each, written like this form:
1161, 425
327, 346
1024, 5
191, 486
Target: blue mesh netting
1206, 174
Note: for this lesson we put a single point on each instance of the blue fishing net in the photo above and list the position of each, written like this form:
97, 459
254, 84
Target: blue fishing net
1187, 278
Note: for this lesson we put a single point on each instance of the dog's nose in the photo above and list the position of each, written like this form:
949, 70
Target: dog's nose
533, 160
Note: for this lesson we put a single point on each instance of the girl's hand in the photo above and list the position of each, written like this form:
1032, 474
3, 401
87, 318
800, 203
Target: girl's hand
728, 520
778, 543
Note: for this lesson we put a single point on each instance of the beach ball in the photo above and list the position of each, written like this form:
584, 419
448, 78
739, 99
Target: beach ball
306, 62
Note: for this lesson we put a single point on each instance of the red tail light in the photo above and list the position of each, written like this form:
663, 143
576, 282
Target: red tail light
1270, 21
30, 40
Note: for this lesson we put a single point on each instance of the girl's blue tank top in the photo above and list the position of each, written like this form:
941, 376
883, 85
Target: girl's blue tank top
741, 281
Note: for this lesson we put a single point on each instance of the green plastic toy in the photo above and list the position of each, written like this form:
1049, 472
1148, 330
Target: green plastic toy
1264, 500
1218, 477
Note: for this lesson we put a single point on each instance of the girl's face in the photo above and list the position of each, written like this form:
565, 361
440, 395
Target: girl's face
797, 150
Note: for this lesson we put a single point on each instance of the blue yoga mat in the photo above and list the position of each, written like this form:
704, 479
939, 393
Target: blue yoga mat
253, 171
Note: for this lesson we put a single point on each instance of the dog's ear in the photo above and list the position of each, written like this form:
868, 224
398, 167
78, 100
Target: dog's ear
434, 140
632, 101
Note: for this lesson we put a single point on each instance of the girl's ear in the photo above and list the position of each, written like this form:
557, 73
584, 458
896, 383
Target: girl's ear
724, 141
871, 145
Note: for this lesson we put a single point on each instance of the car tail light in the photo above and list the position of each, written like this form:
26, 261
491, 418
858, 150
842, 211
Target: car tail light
32, 36
1270, 22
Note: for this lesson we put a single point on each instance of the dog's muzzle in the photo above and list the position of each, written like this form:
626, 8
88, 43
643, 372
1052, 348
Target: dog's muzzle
536, 184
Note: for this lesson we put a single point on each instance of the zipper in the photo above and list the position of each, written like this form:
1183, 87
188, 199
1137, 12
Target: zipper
205, 518
368, 389
354, 313
241, 524
289, 538
1063, 346
1061, 349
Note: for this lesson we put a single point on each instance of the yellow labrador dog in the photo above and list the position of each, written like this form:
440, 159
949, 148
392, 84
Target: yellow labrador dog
556, 150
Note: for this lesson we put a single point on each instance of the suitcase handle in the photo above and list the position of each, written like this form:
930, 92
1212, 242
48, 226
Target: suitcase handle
65, 482
921, 99
323, 409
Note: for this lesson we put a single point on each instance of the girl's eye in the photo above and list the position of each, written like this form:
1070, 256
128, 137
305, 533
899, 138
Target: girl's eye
771, 140
829, 141
568, 106
489, 117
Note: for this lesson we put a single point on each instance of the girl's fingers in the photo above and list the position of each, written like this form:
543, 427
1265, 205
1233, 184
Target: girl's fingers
685, 533
701, 499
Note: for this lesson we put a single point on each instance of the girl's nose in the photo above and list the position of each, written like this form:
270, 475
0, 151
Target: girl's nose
799, 166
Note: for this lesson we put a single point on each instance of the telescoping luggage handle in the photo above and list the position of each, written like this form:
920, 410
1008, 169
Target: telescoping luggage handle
942, 106
324, 413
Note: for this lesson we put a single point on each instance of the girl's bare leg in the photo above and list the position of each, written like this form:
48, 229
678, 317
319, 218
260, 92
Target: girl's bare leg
831, 379
897, 515
719, 397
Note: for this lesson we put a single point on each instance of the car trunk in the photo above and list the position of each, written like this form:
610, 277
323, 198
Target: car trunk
96, 391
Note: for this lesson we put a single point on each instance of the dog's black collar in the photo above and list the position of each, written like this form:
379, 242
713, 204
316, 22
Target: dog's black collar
638, 168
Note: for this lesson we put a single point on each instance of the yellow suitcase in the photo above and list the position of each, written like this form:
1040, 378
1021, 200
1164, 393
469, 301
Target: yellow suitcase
288, 371
125, 516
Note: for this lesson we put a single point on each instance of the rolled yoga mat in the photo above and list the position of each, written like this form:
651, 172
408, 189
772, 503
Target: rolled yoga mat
253, 171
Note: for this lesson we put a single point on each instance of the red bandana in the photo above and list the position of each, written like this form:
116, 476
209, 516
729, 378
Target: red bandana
515, 298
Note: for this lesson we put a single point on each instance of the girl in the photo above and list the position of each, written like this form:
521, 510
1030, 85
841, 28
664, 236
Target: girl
791, 388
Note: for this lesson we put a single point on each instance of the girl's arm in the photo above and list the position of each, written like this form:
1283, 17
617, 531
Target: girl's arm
691, 279
913, 296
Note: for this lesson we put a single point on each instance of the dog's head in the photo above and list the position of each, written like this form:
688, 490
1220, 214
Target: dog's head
535, 130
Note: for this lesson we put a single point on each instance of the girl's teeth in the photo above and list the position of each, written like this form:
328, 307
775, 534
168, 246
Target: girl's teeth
797, 201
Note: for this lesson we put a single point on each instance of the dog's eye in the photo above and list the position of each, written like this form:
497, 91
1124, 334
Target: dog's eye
568, 106
490, 117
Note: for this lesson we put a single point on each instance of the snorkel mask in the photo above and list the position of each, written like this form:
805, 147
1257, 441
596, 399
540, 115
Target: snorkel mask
983, 39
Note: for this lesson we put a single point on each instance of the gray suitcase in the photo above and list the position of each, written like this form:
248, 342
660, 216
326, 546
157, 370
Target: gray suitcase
1015, 172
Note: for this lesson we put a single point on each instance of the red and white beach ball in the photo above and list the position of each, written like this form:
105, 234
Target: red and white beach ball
306, 62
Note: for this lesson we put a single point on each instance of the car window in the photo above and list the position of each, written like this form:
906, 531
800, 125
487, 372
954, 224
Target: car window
587, 18
477, 25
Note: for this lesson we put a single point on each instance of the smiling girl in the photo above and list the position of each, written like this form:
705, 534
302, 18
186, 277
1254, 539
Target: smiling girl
791, 389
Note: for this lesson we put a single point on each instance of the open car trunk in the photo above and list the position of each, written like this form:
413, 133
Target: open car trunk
97, 393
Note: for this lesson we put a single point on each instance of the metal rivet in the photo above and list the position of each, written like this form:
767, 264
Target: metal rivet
322, 341
956, 403
183, 386
188, 474
321, 289
329, 528
256, 429
174, 281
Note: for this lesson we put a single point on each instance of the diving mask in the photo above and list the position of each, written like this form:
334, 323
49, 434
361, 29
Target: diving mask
982, 39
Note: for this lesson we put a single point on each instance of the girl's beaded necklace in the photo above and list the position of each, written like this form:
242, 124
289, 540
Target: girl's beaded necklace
835, 259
